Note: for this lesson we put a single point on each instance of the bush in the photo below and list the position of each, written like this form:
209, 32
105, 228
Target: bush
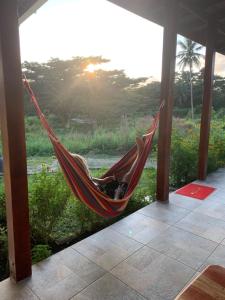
184, 156
216, 145
40, 252
48, 198
185, 150
2, 206
4, 267
180, 112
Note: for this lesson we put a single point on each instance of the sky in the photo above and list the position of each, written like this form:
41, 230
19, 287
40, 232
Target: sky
69, 28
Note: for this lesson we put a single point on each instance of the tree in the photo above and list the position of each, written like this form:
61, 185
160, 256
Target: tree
66, 89
189, 56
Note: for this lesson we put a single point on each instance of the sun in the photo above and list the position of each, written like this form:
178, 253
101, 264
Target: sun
90, 68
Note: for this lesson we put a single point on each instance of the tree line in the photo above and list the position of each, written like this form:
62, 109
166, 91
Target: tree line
67, 90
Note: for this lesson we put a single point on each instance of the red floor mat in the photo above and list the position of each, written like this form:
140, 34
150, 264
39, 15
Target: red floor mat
197, 191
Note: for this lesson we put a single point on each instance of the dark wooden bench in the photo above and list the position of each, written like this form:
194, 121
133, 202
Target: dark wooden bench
209, 285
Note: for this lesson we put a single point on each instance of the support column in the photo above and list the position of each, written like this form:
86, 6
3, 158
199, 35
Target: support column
207, 102
13, 138
167, 83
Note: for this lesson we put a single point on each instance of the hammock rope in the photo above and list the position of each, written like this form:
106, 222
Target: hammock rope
81, 184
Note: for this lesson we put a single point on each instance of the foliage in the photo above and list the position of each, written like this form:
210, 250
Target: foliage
40, 252
2, 205
185, 145
100, 140
184, 156
3, 234
216, 145
189, 56
3, 252
48, 196
67, 90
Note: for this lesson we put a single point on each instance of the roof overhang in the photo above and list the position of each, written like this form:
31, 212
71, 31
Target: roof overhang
28, 7
193, 17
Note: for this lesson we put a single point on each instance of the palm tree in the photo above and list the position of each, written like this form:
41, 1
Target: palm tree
189, 56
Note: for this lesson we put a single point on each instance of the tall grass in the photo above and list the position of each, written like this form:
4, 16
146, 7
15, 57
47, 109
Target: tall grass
99, 140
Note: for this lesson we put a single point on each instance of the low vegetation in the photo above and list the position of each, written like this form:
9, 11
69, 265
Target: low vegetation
110, 140
185, 149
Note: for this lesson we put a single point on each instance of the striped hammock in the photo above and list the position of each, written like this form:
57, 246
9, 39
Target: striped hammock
81, 184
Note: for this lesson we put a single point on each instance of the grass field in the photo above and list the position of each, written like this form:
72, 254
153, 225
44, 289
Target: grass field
96, 140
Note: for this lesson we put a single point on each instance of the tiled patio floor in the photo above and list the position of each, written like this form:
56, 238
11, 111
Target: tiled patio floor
151, 254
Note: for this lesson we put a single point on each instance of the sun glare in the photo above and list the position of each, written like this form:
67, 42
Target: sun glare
90, 68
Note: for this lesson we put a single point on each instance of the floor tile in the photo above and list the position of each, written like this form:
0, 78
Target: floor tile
63, 290
213, 181
212, 209
80, 265
183, 246
47, 273
205, 226
107, 248
13, 291
154, 275
164, 212
51, 279
140, 227
108, 288
216, 258
217, 197
185, 202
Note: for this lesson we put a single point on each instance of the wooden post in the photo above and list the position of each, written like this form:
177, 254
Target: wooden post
13, 138
207, 102
167, 83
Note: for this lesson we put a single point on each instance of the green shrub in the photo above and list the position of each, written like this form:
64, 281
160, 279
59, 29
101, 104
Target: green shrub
38, 145
40, 252
185, 150
139, 199
184, 156
216, 145
2, 206
48, 198
180, 112
32, 124
4, 267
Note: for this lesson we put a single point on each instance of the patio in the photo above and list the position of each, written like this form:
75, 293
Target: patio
151, 254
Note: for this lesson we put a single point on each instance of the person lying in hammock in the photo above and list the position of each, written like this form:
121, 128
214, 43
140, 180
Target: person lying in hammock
81, 161
112, 186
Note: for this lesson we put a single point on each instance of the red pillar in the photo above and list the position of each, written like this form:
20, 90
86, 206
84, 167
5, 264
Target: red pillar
13, 138
167, 83
207, 102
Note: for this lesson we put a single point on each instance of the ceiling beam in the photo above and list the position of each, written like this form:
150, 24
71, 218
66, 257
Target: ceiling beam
199, 13
23, 15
